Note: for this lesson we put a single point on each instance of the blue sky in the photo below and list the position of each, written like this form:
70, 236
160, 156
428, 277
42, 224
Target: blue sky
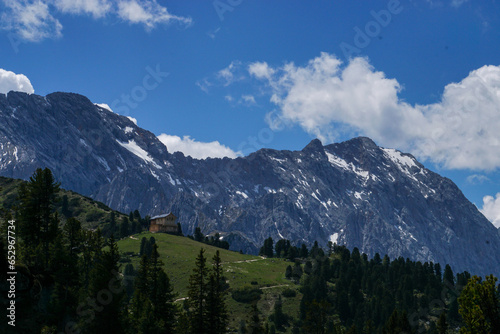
227, 77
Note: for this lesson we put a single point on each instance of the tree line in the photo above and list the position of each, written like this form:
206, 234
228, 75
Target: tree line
344, 291
71, 280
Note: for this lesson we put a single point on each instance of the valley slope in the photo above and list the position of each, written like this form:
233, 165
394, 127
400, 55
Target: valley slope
354, 193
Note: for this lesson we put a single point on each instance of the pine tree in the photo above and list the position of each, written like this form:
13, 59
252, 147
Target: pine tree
124, 228
38, 226
480, 306
161, 294
197, 293
278, 317
112, 223
65, 207
448, 275
143, 246
106, 291
216, 312
442, 325
198, 236
255, 326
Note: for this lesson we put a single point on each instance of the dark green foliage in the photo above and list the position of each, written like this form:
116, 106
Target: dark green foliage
65, 207
143, 246
112, 223
267, 249
289, 293
198, 282
152, 309
124, 227
198, 236
448, 275
36, 221
216, 312
297, 271
288, 272
278, 318
398, 323
480, 306
214, 240
105, 290
442, 324
255, 325
246, 294
348, 290
304, 253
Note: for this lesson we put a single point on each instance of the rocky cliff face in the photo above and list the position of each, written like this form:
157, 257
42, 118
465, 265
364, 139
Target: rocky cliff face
353, 193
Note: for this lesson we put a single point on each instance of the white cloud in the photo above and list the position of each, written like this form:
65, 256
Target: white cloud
477, 179
149, 13
16, 82
204, 84
228, 73
35, 21
31, 21
196, 149
260, 70
458, 3
97, 8
329, 99
491, 209
248, 99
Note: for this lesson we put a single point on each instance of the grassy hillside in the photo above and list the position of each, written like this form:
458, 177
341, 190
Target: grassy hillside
179, 254
90, 213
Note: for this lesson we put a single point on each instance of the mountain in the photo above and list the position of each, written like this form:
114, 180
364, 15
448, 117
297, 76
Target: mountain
353, 193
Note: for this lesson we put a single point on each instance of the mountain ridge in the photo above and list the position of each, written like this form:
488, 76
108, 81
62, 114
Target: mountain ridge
354, 193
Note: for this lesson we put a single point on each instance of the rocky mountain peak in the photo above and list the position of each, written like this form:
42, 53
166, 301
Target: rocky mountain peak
314, 146
353, 193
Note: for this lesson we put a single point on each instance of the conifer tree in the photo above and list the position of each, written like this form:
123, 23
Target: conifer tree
255, 325
124, 227
480, 306
36, 221
152, 309
442, 324
197, 293
216, 312
106, 291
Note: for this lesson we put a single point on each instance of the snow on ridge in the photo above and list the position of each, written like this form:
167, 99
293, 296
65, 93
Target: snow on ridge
277, 159
339, 162
103, 106
245, 196
132, 147
398, 158
128, 129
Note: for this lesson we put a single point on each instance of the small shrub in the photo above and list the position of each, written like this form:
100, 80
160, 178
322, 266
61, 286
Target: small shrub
246, 294
289, 293
254, 283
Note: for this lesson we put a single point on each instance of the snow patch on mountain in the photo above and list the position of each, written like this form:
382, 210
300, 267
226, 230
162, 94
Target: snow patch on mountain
132, 147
